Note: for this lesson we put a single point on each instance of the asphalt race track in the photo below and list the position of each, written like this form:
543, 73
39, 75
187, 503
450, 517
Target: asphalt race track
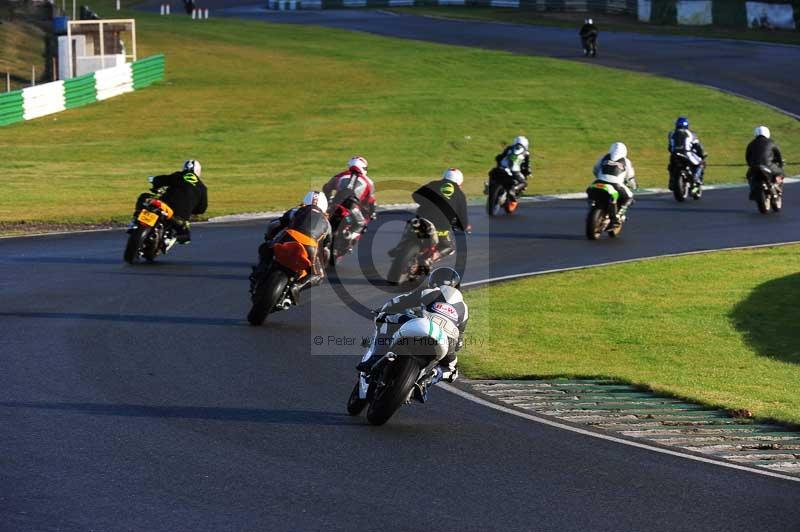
137, 398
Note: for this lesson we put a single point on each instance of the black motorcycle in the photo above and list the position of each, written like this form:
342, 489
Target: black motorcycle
681, 178
348, 223
152, 234
500, 192
766, 189
413, 256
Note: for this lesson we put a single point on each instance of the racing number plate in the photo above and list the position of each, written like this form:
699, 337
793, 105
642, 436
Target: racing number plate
148, 218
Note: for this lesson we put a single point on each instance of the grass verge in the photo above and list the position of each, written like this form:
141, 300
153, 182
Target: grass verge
22, 46
605, 22
273, 110
716, 328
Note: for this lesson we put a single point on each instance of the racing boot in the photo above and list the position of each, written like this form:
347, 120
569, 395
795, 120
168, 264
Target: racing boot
182, 233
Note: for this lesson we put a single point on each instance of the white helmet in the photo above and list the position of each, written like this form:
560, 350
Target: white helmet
522, 140
761, 131
453, 175
316, 198
589, 21
193, 166
617, 151
358, 162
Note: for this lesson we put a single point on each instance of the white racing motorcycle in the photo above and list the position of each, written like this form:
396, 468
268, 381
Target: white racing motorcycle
405, 371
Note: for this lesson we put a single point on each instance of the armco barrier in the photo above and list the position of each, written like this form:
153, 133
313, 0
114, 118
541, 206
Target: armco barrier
148, 71
11, 107
114, 81
42, 100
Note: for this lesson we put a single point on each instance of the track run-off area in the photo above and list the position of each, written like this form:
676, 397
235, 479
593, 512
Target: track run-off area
138, 398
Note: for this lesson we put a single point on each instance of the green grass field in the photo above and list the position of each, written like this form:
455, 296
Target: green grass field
717, 328
605, 22
273, 110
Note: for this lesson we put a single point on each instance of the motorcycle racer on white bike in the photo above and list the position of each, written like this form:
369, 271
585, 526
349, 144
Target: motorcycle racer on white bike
440, 301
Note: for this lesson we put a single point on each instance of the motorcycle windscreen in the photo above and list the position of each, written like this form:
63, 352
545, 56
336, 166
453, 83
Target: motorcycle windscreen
292, 255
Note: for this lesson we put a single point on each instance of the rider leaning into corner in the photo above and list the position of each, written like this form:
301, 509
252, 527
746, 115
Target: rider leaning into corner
683, 141
762, 151
444, 204
308, 225
353, 182
185, 194
439, 298
615, 169
514, 162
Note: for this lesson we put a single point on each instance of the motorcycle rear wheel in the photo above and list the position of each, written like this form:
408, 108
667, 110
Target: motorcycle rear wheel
151, 246
763, 201
132, 247
493, 200
398, 271
355, 404
681, 190
398, 380
594, 223
777, 203
266, 296
340, 246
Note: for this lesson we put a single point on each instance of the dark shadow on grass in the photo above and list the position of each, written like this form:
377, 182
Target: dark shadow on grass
767, 319
248, 415
130, 318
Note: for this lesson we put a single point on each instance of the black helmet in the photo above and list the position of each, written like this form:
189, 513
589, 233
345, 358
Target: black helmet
444, 277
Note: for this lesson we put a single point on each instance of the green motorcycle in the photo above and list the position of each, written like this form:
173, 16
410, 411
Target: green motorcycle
602, 198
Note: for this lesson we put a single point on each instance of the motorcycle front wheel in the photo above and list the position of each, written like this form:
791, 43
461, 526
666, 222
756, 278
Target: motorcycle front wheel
394, 388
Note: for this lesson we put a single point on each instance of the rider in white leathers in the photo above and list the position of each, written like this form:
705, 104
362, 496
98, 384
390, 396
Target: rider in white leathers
440, 300
617, 170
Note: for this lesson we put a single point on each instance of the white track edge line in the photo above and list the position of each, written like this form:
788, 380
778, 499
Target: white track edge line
483, 402
623, 261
